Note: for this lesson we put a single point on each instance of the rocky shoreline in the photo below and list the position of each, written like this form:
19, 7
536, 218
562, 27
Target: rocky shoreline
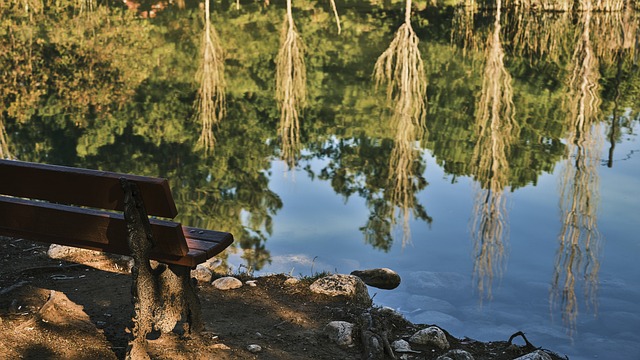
384, 333
68, 304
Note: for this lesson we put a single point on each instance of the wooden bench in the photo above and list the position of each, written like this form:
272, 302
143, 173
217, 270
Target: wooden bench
109, 212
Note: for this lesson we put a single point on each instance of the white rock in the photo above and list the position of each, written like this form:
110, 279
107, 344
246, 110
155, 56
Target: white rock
342, 285
61, 252
227, 283
456, 354
432, 335
340, 332
536, 355
254, 348
251, 283
86, 256
291, 281
402, 346
201, 273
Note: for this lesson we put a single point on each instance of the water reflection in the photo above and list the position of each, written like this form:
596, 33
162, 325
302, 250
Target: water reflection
401, 70
93, 92
210, 99
540, 36
578, 252
496, 129
463, 28
291, 88
4, 141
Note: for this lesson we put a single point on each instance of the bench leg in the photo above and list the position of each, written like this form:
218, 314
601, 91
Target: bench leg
144, 285
162, 296
180, 301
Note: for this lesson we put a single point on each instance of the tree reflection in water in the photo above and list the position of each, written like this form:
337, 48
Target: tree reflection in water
496, 129
401, 70
291, 89
463, 32
4, 141
93, 90
210, 99
579, 239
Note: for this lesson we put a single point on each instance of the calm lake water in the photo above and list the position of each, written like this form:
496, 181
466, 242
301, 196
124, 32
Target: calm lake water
316, 230
500, 180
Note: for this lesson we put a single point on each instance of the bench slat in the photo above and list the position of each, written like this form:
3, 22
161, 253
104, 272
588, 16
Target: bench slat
210, 248
207, 244
106, 231
83, 187
89, 228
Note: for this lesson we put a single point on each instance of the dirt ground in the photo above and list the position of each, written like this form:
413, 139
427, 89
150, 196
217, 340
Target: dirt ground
54, 309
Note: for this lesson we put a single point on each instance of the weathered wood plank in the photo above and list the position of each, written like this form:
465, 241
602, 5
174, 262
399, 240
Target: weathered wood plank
83, 227
83, 187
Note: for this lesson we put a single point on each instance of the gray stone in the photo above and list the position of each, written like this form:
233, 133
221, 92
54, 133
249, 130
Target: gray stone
202, 273
432, 335
254, 348
227, 283
456, 354
402, 346
91, 257
61, 252
342, 285
382, 278
536, 355
340, 332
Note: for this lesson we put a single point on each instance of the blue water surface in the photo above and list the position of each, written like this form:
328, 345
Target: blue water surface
318, 230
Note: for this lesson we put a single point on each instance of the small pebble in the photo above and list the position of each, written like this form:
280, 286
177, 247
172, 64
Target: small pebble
251, 282
254, 348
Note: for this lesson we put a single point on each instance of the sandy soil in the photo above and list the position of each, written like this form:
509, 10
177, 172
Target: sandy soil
53, 309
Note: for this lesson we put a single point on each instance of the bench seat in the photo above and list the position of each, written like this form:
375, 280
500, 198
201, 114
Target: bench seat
83, 208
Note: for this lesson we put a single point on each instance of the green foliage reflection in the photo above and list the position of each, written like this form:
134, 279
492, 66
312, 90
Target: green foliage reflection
108, 89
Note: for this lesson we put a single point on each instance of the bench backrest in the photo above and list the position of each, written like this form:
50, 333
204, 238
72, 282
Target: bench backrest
82, 187
47, 203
